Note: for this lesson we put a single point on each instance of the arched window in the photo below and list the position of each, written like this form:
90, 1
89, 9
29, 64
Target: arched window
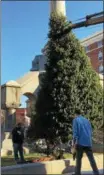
86, 48
99, 44
101, 68
100, 55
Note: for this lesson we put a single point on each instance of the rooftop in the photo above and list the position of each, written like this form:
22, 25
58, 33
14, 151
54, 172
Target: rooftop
98, 36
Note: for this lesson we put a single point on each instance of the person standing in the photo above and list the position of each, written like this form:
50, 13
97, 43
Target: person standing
82, 138
18, 139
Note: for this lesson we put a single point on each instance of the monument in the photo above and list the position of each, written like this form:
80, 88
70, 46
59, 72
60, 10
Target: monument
58, 6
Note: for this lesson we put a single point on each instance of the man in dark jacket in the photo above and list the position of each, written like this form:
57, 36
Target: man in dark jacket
82, 136
18, 139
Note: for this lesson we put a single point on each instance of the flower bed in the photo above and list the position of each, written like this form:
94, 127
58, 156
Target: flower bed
43, 159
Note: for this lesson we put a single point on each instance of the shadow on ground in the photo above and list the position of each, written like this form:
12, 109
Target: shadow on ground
69, 168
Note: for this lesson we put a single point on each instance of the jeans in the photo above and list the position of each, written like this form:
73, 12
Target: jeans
18, 148
79, 155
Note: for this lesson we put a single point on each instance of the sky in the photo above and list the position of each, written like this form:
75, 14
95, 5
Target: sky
24, 29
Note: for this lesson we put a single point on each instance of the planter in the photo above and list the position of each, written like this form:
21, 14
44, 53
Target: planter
39, 168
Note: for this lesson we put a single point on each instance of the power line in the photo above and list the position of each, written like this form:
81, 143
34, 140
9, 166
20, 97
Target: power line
90, 27
80, 19
88, 16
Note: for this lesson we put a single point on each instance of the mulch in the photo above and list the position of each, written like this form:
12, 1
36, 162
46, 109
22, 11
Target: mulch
42, 159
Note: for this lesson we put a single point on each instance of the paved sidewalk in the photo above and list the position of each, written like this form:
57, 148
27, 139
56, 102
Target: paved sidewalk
86, 165
87, 173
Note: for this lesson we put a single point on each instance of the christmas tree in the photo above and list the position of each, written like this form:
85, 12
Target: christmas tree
69, 83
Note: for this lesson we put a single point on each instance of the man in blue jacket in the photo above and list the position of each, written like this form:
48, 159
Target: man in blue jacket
82, 138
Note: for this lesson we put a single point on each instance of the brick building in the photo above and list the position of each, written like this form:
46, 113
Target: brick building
20, 115
94, 46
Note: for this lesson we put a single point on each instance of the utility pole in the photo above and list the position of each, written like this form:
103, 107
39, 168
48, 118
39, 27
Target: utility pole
93, 19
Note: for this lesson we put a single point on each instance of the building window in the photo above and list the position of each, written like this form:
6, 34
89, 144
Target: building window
101, 69
86, 48
100, 55
99, 44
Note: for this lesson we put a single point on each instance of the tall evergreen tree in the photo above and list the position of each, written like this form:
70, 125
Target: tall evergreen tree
69, 83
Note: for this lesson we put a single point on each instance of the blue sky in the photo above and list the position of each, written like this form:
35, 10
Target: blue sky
25, 28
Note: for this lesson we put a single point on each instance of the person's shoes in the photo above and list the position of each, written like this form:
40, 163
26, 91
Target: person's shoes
75, 174
20, 161
29, 161
23, 161
17, 161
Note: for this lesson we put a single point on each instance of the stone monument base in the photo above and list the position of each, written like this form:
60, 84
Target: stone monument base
7, 146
